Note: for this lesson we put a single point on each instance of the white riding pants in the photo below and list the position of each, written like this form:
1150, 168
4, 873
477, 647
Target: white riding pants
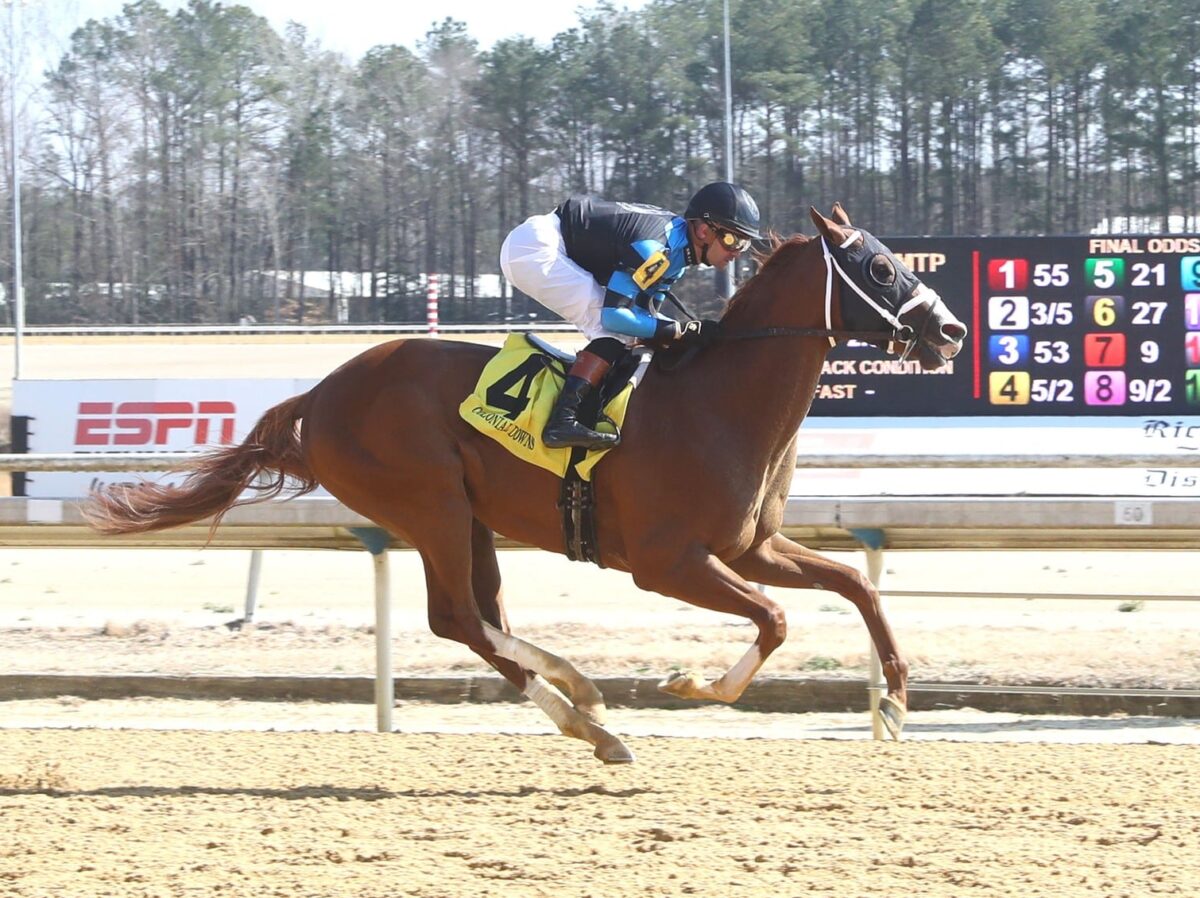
535, 261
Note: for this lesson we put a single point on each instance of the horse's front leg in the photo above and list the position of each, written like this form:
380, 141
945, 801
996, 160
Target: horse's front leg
699, 578
513, 655
781, 562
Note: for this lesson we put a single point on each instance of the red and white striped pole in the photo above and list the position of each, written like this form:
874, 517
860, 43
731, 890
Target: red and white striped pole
432, 286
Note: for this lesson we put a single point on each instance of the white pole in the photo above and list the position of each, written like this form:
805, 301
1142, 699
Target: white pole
876, 684
18, 280
729, 281
252, 581
385, 692
728, 102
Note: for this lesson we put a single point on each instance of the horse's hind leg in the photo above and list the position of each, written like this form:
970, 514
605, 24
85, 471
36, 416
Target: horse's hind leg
696, 576
447, 548
781, 562
485, 583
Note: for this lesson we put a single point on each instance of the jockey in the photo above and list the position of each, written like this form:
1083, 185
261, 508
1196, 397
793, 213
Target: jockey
606, 267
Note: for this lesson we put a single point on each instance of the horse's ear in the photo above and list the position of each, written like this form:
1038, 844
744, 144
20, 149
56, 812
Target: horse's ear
830, 230
840, 216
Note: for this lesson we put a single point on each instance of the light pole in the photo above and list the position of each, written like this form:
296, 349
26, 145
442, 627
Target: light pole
18, 280
728, 102
727, 279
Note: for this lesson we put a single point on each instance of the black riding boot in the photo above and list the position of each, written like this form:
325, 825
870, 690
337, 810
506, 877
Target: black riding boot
563, 429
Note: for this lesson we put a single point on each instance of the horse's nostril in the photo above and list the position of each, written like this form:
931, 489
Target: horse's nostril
954, 331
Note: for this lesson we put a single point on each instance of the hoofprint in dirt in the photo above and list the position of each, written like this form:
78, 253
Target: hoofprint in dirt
166, 611
132, 813
707, 721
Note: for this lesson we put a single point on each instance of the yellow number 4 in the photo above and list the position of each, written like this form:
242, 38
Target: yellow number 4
1008, 387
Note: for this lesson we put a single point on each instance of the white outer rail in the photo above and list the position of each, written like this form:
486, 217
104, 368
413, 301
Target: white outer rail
245, 330
821, 522
101, 461
158, 461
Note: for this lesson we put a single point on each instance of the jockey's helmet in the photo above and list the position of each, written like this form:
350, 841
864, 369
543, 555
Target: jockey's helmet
727, 206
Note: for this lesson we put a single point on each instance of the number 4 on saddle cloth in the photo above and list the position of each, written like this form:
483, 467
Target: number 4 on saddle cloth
516, 392
512, 402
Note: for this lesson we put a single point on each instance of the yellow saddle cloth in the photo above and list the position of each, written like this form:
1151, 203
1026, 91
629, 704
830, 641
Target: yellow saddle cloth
513, 401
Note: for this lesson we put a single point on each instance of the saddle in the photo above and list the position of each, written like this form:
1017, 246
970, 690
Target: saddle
512, 401
618, 376
577, 500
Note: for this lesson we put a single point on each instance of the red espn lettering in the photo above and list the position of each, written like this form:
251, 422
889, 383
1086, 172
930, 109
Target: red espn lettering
151, 423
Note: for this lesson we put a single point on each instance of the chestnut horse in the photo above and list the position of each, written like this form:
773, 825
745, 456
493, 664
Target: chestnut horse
690, 504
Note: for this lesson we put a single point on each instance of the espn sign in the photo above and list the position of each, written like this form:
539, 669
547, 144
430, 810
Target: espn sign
142, 423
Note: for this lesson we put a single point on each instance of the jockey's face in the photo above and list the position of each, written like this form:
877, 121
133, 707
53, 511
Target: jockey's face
716, 246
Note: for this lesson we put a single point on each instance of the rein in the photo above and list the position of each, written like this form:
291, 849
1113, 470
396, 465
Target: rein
725, 336
901, 333
865, 336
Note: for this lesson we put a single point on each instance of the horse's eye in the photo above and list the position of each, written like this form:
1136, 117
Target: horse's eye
882, 271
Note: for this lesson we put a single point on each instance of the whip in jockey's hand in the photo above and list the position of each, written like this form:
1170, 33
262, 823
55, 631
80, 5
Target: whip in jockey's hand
701, 332
607, 266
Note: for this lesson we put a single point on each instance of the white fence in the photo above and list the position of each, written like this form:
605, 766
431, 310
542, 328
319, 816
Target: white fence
243, 330
870, 523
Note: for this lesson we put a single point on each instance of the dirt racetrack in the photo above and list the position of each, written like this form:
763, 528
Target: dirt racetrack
131, 813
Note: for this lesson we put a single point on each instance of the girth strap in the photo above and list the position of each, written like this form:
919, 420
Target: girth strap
577, 503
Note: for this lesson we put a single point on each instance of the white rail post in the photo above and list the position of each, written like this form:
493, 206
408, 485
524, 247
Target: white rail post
252, 580
377, 540
385, 687
876, 685
872, 541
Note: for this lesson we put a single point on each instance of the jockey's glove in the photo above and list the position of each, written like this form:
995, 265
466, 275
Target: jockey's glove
699, 332
666, 333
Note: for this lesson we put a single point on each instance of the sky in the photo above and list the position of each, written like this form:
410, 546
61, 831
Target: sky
354, 26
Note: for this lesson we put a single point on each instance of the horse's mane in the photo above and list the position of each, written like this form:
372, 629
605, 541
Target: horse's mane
779, 253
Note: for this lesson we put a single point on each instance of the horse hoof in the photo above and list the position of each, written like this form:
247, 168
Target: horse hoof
681, 685
892, 713
615, 752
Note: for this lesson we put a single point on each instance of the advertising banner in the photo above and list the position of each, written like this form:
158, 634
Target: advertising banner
160, 416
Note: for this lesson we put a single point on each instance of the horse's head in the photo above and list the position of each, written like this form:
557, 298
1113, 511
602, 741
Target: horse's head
879, 289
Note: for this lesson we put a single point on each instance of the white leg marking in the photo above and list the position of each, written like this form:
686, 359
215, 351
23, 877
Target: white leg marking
583, 692
555, 706
738, 677
608, 748
728, 688
516, 650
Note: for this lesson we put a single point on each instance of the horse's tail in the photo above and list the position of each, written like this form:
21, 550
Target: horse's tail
264, 462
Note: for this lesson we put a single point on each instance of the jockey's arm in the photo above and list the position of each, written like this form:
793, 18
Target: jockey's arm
631, 315
632, 298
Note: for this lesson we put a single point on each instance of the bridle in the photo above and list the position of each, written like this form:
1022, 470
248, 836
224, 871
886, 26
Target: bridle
908, 336
902, 333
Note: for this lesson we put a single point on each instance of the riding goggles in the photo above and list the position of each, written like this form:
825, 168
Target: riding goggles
732, 241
